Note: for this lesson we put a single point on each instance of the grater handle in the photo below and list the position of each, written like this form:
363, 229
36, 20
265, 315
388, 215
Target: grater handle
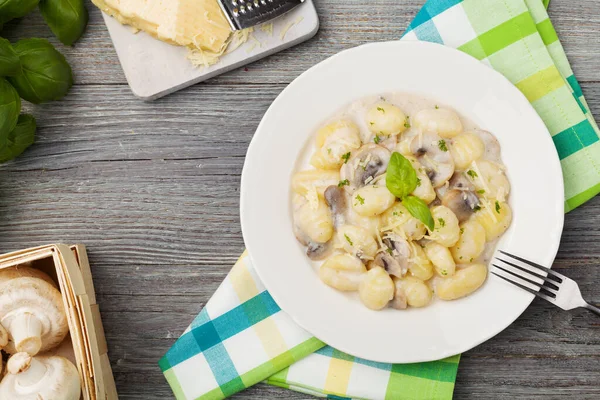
243, 14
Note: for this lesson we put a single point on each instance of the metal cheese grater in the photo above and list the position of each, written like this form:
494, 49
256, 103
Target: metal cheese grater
243, 14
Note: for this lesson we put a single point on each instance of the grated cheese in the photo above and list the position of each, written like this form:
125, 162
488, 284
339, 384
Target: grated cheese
267, 28
289, 25
480, 176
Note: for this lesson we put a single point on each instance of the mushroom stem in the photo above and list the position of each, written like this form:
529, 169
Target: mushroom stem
26, 332
28, 370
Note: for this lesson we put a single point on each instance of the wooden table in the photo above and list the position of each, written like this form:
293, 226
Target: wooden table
152, 189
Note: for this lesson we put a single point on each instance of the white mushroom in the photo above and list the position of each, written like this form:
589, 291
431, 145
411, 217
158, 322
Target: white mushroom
47, 378
32, 311
365, 165
463, 203
433, 154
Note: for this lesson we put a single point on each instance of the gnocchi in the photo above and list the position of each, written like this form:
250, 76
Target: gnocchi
385, 119
464, 282
376, 289
342, 272
333, 141
363, 231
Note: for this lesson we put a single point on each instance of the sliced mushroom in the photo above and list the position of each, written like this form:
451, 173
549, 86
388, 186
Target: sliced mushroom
438, 164
395, 259
389, 263
335, 197
318, 251
461, 202
366, 164
399, 301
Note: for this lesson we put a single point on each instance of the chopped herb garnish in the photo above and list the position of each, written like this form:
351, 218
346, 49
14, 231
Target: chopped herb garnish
471, 260
343, 183
371, 123
444, 272
476, 208
348, 239
381, 109
442, 145
389, 251
407, 123
418, 181
481, 191
396, 213
360, 199
328, 151
460, 258
472, 173
441, 222
462, 230
346, 157
437, 107
377, 139
497, 207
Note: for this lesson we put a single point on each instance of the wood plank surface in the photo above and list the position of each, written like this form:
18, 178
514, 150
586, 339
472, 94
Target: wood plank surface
151, 187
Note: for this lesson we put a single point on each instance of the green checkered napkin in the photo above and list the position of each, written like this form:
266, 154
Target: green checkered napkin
242, 337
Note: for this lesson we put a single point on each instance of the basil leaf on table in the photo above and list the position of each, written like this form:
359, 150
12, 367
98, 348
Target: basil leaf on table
19, 138
401, 178
66, 18
9, 60
46, 74
10, 107
11, 9
419, 209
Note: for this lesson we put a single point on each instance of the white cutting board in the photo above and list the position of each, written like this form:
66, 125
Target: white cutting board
154, 69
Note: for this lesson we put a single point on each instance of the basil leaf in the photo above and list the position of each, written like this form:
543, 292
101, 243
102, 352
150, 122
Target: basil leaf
46, 74
11, 9
418, 209
401, 178
9, 60
10, 107
66, 18
19, 138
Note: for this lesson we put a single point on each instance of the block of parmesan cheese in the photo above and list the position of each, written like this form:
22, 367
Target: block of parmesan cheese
196, 24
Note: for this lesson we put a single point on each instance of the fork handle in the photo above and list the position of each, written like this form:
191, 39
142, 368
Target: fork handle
592, 308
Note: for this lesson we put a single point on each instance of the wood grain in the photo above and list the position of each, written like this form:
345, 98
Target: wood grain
151, 187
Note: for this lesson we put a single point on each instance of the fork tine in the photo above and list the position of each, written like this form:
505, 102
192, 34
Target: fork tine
534, 292
540, 285
548, 270
544, 278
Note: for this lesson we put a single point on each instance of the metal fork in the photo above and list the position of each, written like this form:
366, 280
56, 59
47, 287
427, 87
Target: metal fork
556, 288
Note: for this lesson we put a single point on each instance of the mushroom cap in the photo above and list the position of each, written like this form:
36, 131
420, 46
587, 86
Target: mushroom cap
370, 161
21, 271
461, 202
48, 378
36, 297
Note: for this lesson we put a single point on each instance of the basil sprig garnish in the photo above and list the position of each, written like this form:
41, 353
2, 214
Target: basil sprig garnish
401, 180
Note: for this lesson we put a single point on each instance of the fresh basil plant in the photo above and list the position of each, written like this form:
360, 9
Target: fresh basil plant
20, 138
9, 60
66, 18
46, 74
401, 180
10, 107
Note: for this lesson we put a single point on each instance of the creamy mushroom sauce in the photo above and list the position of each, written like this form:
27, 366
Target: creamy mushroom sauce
360, 235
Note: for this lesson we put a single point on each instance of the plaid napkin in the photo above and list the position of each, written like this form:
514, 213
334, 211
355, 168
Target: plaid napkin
242, 337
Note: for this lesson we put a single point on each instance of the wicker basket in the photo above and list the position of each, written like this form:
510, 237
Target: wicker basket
69, 268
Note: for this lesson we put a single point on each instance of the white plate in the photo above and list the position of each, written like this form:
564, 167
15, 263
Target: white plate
452, 78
